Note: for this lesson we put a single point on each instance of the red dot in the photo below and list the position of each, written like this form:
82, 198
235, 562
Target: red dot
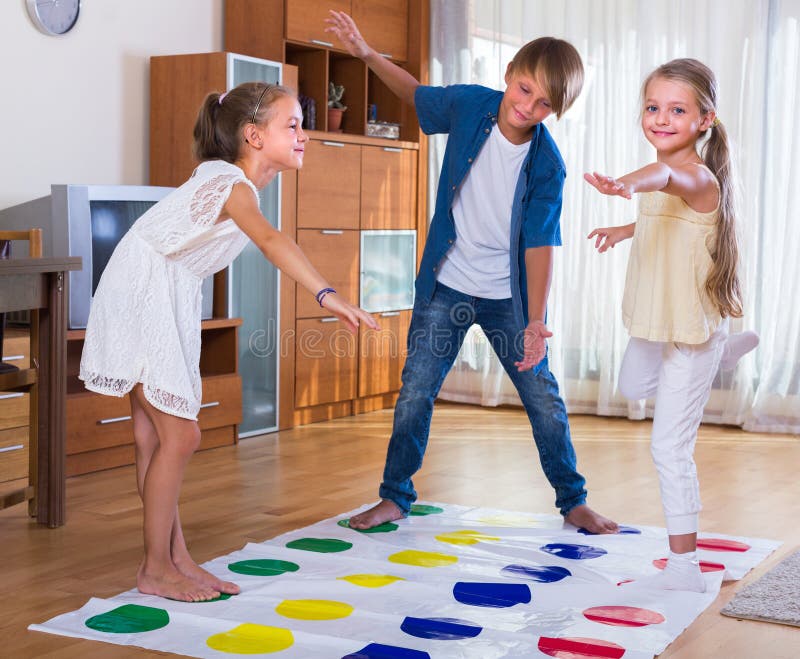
705, 566
718, 544
580, 648
623, 616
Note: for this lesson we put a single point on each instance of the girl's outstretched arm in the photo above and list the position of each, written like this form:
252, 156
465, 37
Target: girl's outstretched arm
284, 253
606, 237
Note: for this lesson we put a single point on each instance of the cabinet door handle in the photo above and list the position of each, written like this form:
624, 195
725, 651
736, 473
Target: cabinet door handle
331, 232
115, 419
211, 404
392, 149
8, 449
6, 396
389, 314
329, 143
329, 320
13, 358
319, 42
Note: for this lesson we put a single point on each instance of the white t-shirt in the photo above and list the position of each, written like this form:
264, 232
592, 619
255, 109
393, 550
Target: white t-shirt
478, 263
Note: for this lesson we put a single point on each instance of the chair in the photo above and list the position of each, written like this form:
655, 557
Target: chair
14, 379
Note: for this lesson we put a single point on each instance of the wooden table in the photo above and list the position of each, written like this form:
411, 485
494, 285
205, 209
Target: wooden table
41, 283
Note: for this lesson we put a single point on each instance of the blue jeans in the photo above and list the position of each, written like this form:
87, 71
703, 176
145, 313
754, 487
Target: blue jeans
434, 339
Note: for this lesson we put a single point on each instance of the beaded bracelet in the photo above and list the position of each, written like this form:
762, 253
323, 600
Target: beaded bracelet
321, 295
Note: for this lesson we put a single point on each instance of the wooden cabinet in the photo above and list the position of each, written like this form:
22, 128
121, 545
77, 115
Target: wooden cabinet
305, 19
334, 252
14, 411
388, 188
326, 362
100, 430
382, 354
384, 25
328, 186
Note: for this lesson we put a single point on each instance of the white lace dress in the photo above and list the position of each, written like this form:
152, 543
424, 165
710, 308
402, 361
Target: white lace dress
144, 323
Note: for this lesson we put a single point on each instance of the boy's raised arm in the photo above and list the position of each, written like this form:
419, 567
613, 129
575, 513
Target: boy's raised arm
400, 81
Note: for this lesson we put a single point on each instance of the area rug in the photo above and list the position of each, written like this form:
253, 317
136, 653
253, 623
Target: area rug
775, 597
449, 581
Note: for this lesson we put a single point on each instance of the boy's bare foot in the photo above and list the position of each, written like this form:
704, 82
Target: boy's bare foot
173, 585
192, 570
584, 517
385, 511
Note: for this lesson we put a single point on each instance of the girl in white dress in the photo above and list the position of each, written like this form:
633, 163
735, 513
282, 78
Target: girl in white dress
143, 333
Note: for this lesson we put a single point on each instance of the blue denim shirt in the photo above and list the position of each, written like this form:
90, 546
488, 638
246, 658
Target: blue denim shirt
468, 113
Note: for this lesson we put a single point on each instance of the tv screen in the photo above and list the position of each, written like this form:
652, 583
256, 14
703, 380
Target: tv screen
110, 221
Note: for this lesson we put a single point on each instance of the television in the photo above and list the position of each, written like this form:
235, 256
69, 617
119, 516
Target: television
88, 221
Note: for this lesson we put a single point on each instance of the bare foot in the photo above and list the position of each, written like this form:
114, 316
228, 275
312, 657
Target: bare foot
584, 517
173, 585
192, 570
385, 511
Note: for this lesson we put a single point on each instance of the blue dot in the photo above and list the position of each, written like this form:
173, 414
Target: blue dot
497, 595
578, 552
540, 573
379, 651
624, 530
443, 629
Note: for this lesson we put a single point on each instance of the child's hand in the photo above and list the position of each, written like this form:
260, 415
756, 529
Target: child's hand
345, 29
349, 314
608, 185
534, 344
608, 237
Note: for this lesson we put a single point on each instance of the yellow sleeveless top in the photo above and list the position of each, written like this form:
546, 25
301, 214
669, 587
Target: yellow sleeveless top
665, 297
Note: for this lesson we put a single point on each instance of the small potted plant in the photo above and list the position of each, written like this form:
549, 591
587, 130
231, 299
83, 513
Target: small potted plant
335, 106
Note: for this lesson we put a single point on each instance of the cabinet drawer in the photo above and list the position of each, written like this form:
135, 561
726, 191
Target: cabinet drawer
17, 348
326, 362
222, 402
305, 20
388, 188
335, 255
382, 354
14, 410
328, 186
13, 453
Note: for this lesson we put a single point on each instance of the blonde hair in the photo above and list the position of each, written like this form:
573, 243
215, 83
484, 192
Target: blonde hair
722, 283
556, 65
218, 129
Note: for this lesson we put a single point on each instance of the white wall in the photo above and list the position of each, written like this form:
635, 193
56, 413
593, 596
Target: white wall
75, 109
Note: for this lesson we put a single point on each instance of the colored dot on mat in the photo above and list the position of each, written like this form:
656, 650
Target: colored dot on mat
577, 552
623, 530
422, 558
250, 638
379, 651
313, 609
422, 510
540, 573
465, 538
495, 595
386, 527
718, 544
705, 566
222, 597
263, 567
623, 616
442, 629
371, 580
129, 619
580, 648
321, 545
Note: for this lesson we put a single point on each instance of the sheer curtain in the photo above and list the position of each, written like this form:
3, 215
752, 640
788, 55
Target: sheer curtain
753, 48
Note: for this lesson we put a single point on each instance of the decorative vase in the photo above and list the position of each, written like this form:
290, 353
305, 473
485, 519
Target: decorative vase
335, 120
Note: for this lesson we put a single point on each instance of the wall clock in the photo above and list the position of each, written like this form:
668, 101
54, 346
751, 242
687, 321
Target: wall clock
54, 17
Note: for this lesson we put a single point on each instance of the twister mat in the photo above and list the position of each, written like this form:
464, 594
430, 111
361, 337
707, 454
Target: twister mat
449, 581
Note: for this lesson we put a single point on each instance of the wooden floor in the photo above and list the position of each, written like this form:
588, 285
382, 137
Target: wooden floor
477, 456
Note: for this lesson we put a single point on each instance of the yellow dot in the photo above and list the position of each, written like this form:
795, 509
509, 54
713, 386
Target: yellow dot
250, 638
422, 558
466, 538
371, 580
313, 609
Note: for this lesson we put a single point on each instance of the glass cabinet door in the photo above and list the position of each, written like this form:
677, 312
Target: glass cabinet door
388, 269
253, 290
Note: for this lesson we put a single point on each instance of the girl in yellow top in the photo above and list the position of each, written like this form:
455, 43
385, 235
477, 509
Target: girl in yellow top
681, 288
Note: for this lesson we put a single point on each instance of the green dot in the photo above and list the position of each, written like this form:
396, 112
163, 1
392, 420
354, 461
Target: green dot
425, 510
222, 596
321, 545
386, 527
129, 619
263, 567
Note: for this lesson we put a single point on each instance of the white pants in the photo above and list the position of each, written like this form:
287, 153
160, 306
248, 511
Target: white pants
679, 375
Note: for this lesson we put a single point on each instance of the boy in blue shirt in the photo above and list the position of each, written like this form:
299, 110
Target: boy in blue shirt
488, 257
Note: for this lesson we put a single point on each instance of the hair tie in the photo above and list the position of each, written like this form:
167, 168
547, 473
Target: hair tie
221, 96
716, 122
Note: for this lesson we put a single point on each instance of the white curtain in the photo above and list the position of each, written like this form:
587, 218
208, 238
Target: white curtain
753, 47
